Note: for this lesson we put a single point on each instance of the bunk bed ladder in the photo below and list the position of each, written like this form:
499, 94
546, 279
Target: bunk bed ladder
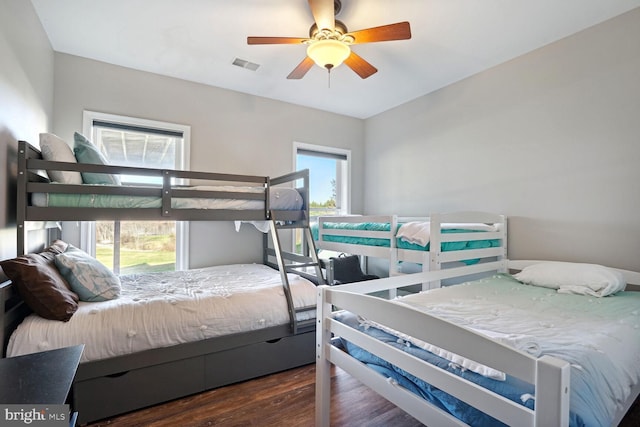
298, 264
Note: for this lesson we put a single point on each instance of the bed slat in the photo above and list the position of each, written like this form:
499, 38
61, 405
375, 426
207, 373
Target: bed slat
412, 404
509, 412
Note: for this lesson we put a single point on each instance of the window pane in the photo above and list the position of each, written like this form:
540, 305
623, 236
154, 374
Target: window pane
328, 182
323, 183
145, 246
139, 246
137, 149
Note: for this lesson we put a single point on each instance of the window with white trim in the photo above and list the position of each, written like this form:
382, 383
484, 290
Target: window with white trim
138, 246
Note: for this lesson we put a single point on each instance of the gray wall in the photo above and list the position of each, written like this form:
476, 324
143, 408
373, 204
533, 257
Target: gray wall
551, 139
26, 100
230, 132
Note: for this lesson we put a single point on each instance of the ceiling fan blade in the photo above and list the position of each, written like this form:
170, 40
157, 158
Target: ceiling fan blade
360, 66
301, 69
323, 13
397, 31
276, 40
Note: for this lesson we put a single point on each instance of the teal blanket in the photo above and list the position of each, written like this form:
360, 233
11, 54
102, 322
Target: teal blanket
377, 226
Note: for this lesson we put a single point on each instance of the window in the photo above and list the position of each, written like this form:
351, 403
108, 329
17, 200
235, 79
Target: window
329, 176
138, 246
329, 182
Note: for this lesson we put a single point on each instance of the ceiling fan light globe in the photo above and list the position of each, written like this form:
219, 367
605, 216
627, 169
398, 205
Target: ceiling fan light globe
328, 53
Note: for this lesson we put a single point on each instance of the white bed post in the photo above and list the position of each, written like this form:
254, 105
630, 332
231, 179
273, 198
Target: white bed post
504, 258
323, 366
552, 392
435, 247
394, 269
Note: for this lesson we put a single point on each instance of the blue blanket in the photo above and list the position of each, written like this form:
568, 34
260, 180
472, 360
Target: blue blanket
512, 388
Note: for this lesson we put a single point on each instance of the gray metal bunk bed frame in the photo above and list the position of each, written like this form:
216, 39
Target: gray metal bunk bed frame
112, 386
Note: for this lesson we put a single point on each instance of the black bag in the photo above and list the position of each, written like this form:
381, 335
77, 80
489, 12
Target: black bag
346, 269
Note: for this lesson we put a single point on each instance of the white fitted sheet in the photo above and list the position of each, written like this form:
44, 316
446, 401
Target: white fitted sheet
164, 309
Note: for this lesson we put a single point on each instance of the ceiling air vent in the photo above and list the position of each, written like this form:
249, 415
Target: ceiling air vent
245, 64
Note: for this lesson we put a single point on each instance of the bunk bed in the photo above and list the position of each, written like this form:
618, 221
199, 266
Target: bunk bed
127, 377
433, 242
555, 344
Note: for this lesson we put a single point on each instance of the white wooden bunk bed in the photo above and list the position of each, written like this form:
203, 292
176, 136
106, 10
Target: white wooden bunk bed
500, 352
440, 240
116, 379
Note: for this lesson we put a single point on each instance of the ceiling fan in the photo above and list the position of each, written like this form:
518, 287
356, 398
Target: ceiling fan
329, 41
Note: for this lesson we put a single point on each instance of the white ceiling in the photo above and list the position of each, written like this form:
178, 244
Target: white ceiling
198, 40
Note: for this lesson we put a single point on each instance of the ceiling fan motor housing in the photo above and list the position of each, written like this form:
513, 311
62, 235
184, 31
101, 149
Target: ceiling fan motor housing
339, 30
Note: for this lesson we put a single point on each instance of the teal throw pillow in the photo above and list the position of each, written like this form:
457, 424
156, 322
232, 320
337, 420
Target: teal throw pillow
86, 152
87, 276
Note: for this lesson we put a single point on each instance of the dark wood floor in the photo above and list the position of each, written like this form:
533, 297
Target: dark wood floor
285, 400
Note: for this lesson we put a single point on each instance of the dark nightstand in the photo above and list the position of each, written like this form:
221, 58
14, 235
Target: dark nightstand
39, 378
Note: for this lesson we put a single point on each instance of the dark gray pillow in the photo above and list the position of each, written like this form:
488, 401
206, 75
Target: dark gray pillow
40, 283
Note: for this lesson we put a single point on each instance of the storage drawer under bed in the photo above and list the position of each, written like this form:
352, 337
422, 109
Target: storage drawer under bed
243, 363
99, 397
103, 397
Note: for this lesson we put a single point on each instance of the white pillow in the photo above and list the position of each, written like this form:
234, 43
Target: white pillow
573, 278
54, 149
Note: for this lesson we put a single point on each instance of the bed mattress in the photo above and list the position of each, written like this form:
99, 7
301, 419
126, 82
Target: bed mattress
280, 199
165, 309
599, 337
